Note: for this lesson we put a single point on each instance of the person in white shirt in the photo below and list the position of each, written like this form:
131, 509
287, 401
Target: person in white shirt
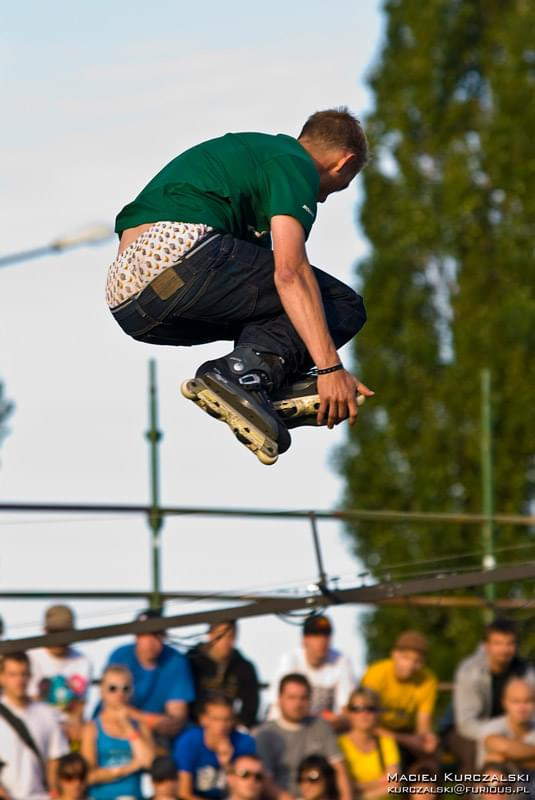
328, 671
61, 676
26, 774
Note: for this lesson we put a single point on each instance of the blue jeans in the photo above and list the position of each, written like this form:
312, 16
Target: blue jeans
224, 290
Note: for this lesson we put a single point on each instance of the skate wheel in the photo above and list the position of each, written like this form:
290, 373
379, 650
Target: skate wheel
264, 458
188, 390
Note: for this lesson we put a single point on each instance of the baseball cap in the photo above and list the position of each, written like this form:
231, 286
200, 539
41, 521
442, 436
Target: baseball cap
412, 640
150, 613
59, 618
163, 769
317, 625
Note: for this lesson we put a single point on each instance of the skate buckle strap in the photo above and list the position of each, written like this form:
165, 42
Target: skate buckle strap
251, 379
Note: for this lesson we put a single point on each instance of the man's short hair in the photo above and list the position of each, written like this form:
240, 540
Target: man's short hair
215, 699
232, 767
295, 677
72, 764
19, 657
501, 625
337, 128
412, 640
163, 768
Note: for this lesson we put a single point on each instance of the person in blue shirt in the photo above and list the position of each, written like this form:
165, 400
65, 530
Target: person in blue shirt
204, 752
163, 684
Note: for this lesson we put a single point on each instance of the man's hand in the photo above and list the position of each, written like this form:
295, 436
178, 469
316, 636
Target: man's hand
338, 397
168, 726
498, 744
430, 742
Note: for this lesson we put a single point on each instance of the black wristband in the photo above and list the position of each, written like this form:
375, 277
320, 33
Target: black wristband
327, 370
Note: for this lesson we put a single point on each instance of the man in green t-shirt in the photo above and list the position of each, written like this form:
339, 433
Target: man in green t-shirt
213, 248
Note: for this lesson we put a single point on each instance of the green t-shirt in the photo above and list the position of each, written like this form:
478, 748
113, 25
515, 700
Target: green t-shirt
235, 183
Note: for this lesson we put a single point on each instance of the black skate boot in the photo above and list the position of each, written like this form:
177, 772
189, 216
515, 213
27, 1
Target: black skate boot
235, 389
297, 403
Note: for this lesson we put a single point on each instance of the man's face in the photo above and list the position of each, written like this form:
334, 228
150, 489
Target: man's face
519, 702
217, 720
337, 177
501, 648
316, 647
246, 779
407, 663
58, 652
149, 646
221, 642
294, 702
14, 679
166, 789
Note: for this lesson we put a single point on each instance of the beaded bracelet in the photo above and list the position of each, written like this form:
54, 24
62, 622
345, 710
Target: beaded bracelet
327, 370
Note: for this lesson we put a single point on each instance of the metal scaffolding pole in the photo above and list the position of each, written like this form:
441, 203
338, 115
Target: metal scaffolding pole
93, 235
155, 518
487, 494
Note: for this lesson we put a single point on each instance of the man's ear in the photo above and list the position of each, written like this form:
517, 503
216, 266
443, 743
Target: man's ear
346, 162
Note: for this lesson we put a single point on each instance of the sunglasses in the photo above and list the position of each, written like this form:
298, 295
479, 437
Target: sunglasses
249, 773
111, 687
312, 777
72, 777
358, 709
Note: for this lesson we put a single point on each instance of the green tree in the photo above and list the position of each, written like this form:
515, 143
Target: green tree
449, 213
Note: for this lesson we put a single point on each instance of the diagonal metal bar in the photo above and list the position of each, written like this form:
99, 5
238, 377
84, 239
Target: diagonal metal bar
267, 605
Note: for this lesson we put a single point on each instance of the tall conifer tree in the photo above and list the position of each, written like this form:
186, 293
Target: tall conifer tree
450, 217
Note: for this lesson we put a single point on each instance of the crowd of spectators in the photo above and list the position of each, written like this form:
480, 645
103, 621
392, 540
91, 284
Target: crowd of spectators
188, 725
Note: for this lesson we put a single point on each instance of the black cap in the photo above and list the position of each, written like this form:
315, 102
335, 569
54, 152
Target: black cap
317, 625
150, 613
163, 769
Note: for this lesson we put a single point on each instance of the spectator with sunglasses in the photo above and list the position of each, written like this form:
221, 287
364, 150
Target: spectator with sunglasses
370, 756
317, 779
72, 777
116, 745
245, 779
163, 684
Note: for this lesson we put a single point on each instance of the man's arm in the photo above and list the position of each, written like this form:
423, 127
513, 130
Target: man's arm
168, 724
467, 705
508, 748
301, 299
274, 792
52, 772
248, 694
424, 729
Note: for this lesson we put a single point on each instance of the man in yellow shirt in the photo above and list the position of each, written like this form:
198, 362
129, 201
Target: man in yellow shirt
407, 692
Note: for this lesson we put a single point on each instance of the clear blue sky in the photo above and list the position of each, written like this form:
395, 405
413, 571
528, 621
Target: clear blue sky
98, 96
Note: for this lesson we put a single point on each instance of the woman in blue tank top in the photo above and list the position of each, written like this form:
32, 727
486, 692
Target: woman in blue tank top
116, 746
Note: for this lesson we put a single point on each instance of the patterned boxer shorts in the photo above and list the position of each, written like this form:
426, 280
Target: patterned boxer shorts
158, 248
